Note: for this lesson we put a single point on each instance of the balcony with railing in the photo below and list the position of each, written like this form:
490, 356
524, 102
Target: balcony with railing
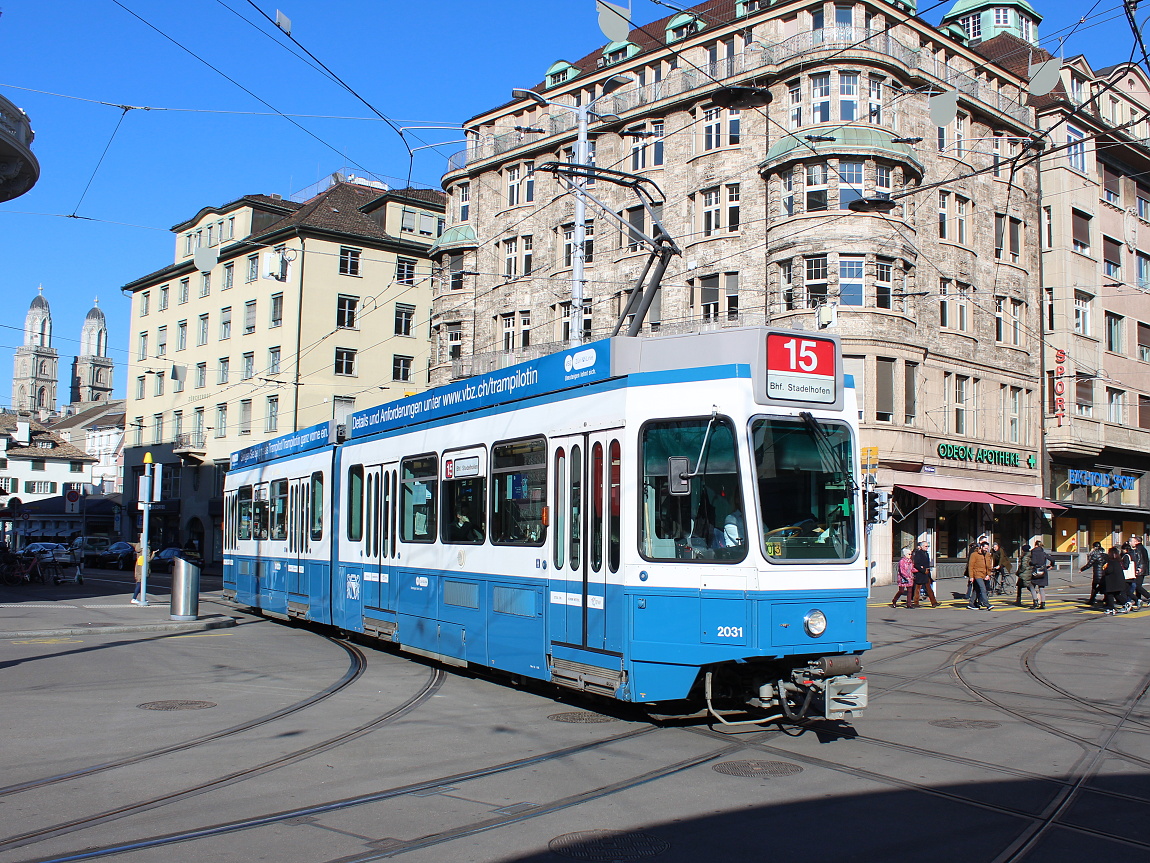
844, 41
190, 446
19, 169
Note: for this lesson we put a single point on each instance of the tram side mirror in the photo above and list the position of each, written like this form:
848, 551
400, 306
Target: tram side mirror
679, 475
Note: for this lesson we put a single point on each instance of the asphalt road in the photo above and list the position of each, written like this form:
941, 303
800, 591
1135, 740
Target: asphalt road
991, 736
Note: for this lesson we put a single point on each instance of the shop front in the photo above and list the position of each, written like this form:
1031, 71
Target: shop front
1104, 504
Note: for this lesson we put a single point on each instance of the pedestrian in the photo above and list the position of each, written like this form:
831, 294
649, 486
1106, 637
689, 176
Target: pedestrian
1095, 562
922, 577
139, 574
905, 578
1141, 569
979, 567
1130, 570
1114, 579
1040, 564
1025, 576
1001, 568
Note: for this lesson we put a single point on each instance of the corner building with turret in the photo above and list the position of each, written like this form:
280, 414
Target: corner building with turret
937, 301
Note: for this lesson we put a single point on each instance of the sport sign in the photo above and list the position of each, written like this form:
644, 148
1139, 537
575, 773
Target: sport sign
801, 369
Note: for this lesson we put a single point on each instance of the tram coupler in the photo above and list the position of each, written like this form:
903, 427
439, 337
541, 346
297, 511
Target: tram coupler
834, 686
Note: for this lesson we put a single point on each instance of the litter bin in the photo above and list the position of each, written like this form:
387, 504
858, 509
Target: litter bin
185, 590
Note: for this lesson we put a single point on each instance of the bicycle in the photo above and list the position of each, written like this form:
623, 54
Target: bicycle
1000, 582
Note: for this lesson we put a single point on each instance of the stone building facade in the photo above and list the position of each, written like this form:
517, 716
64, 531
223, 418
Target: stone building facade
938, 302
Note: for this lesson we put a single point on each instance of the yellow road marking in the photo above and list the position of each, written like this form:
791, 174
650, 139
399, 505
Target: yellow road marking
50, 641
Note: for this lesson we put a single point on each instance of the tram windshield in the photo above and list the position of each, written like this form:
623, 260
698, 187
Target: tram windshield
707, 520
806, 494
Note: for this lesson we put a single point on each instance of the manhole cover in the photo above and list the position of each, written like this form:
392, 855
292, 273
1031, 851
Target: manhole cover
176, 705
580, 716
766, 769
608, 846
1087, 653
964, 723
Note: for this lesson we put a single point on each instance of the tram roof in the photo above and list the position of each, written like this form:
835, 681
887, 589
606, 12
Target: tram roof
579, 366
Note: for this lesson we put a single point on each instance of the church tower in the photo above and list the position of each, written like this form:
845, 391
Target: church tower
36, 367
92, 368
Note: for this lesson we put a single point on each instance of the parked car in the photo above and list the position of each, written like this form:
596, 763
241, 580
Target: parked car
56, 551
118, 555
89, 547
163, 561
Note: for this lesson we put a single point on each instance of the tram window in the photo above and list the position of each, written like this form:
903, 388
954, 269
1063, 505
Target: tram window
575, 501
463, 502
420, 478
317, 505
293, 519
806, 493
355, 503
260, 517
614, 499
277, 529
706, 523
245, 513
518, 492
560, 518
597, 513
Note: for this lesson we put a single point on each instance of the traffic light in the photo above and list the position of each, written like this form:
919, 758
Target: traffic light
879, 506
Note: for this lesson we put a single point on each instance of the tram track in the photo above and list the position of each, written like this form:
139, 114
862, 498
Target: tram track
432, 685
355, 670
228, 827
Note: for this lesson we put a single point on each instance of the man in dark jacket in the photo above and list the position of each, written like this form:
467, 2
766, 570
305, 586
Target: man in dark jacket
1095, 562
922, 577
1141, 570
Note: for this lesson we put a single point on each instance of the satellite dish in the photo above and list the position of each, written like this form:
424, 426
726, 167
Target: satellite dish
205, 258
614, 21
1044, 76
944, 108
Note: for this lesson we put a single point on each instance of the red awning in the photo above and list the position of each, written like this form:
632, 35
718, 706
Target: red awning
1028, 500
951, 494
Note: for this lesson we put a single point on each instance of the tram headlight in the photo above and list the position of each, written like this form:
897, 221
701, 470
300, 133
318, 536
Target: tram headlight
815, 623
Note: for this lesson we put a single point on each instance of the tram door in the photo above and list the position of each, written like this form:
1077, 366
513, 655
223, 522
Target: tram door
379, 538
585, 539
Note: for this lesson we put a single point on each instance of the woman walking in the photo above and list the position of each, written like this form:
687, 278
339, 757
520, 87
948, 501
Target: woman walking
922, 576
1114, 579
1040, 563
1025, 576
905, 578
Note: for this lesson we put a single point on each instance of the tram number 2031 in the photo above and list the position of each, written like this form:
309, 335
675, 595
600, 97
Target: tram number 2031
729, 632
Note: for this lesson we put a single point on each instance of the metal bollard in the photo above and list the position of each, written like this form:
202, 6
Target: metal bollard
185, 590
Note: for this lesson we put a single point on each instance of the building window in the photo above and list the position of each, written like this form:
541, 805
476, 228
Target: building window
140, 383
943, 215
848, 96
181, 335
345, 361
404, 317
850, 281
711, 212
246, 417
223, 370
953, 305
184, 290
253, 268
1116, 405
963, 399
205, 284
225, 323
161, 341
157, 428
463, 195
884, 390
815, 281
510, 258
345, 312
1112, 258
454, 341
159, 383
821, 98
249, 370
733, 196
142, 352
657, 131
221, 420
588, 243
273, 361
816, 191
528, 244
1083, 396
720, 128
1114, 327
850, 183
1076, 149
787, 180
348, 261
511, 176
1082, 307
401, 368
1081, 232
272, 414
229, 277
972, 26
405, 271
201, 375
145, 303
1012, 414
525, 329
277, 315
795, 93
163, 298
1111, 186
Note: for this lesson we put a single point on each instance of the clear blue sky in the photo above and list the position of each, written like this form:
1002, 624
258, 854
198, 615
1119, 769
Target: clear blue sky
418, 63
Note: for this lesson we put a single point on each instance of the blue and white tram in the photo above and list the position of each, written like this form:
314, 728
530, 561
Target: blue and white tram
654, 520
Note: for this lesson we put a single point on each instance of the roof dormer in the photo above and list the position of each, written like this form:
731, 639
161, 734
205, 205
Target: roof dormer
683, 25
560, 73
617, 52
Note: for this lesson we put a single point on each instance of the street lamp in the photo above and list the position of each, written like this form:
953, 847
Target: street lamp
583, 114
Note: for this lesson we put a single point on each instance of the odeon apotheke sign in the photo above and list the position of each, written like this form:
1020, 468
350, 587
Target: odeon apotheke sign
982, 455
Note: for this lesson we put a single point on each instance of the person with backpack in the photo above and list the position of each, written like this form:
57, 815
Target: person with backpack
1040, 565
1096, 562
